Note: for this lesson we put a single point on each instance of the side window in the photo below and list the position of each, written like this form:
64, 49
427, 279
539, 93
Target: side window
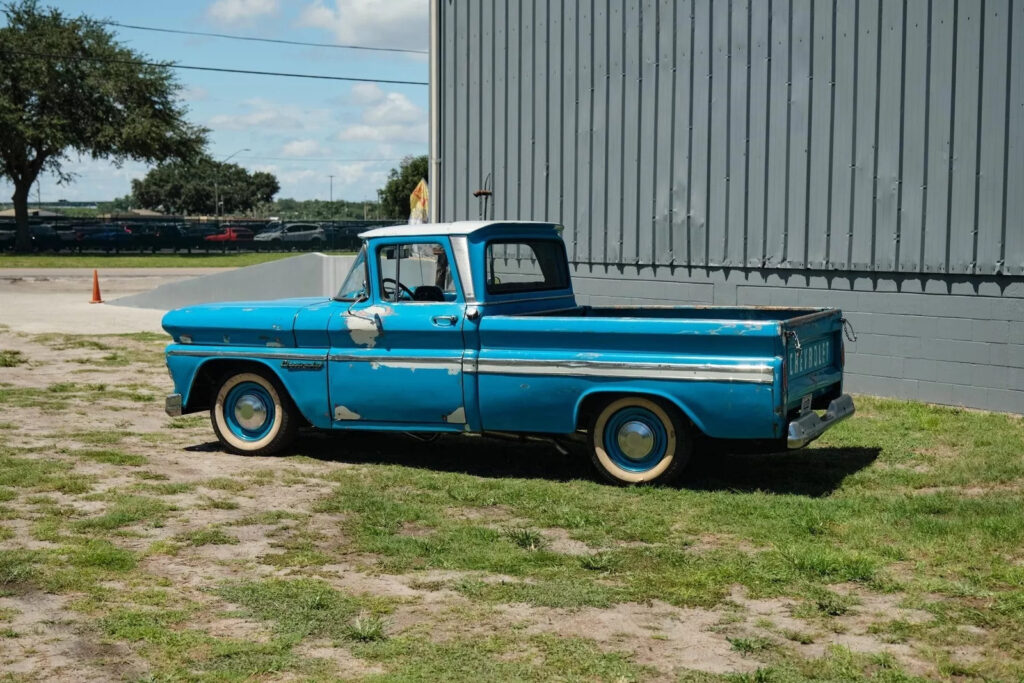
415, 272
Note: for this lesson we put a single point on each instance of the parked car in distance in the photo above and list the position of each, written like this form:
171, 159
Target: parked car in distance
293, 233
473, 328
44, 237
231, 234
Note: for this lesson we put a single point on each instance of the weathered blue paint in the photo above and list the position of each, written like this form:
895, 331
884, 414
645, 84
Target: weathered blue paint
517, 362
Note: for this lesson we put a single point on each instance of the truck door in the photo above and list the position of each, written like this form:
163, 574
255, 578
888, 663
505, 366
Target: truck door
397, 357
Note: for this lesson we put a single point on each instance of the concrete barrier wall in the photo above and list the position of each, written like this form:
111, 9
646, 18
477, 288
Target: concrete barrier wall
305, 275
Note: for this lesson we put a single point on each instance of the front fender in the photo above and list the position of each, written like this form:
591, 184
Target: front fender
302, 372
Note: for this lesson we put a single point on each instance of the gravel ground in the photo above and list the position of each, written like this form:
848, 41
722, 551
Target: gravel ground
37, 300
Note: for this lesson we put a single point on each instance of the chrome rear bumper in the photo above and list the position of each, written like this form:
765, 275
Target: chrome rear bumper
172, 405
810, 426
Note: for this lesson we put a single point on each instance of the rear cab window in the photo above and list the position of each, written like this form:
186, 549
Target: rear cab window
522, 266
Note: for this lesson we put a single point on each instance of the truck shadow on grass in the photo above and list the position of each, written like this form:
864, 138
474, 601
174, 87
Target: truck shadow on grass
810, 472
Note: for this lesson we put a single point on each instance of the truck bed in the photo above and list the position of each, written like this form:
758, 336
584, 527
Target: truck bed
716, 362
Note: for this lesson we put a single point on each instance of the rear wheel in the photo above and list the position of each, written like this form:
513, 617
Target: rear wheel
637, 440
252, 414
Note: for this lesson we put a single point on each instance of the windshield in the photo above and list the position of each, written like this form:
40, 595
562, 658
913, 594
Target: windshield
356, 282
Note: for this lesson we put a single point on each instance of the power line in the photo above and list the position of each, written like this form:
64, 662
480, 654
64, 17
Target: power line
174, 65
265, 40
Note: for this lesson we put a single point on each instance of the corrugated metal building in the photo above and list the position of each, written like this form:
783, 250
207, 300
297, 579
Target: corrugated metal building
865, 154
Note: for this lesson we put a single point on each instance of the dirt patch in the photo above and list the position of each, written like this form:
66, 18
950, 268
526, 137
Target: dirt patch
851, 630
54, 645
343, 660
711, 542
559, 541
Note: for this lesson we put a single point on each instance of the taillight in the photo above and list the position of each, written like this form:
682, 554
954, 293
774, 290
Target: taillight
842, 354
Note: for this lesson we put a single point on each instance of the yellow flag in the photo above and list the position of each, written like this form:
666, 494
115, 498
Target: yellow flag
418, 202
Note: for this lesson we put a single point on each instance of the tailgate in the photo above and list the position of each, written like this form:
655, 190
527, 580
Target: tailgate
813, 358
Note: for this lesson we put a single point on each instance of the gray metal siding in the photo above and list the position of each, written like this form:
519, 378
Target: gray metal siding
943, 342
867, 135
863, 154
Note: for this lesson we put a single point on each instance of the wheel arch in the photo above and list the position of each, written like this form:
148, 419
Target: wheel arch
212, 369
592, 400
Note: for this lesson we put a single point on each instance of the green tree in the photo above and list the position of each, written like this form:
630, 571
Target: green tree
194, 188
117, 204
394, 196
319, 210
68, 87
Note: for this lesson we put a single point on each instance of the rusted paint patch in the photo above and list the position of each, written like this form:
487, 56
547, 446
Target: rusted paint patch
453, 368
457, 416
343, 413
361, 326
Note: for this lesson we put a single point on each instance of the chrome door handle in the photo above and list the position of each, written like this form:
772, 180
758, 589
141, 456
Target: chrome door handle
444, 320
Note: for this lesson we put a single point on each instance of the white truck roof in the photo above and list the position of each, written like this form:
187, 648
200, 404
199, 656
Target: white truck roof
456, 228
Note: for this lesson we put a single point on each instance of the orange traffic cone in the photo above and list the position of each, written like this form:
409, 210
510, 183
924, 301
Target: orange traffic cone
96, 288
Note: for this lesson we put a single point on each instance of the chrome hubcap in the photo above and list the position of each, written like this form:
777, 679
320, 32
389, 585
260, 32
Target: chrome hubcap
635, 439
250, 412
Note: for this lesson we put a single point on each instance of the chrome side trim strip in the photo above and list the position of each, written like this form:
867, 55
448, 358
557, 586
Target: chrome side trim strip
404, 361
248, 354
757, 374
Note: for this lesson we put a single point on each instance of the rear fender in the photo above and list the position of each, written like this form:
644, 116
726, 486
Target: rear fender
620, 390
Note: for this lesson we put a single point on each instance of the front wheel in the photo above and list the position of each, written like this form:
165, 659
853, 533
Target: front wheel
252, 415
636, 440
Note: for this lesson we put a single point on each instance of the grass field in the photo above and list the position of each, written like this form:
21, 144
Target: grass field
131, 547
211, 260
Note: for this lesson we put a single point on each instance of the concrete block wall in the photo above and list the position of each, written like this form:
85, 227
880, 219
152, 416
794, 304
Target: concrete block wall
955, 340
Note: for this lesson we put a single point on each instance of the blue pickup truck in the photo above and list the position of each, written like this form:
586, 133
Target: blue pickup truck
473, 327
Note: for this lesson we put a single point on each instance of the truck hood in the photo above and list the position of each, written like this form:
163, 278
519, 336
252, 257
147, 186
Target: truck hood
238, 323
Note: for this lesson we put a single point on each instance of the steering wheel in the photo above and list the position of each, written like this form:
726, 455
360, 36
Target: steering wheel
402, 288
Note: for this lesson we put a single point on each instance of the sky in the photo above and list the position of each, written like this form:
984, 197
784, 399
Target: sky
301, 130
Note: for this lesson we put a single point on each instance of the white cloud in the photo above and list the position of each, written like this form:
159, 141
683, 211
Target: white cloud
365, 93
300, 148
240, 11
355, 181
390, 117
390, 23
269, 116
392, 133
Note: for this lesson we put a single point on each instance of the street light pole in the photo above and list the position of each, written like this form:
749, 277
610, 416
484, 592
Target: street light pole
216, 180
330, 206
